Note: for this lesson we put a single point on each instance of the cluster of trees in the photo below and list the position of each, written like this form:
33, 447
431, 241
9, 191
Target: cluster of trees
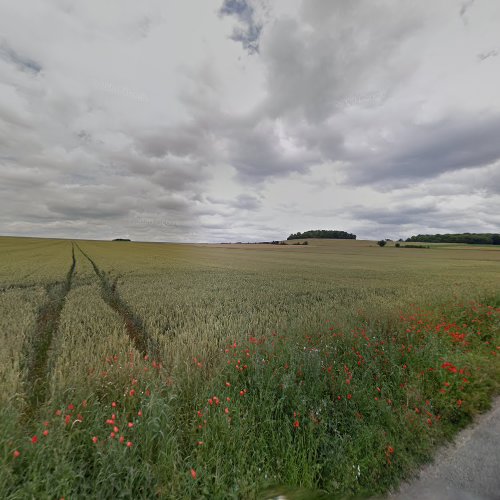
474, 238
323, 233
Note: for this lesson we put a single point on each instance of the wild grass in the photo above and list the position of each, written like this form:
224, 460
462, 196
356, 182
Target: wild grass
333, 368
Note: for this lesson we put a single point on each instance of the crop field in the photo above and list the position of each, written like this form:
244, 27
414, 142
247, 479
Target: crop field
143, 370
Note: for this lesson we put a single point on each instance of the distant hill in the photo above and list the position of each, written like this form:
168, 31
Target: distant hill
472, 238
323, 233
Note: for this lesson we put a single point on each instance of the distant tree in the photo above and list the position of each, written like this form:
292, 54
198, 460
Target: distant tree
469, 238
397, 245
323, 233
382, 243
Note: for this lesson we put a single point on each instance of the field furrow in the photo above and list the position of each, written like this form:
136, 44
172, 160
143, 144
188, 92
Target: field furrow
37, 348
143, 342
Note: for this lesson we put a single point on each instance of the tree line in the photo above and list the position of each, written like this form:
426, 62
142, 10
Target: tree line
474, 238
323, 233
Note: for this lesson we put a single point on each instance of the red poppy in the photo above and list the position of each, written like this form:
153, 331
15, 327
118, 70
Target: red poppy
349, 396
45, 432
95, 439
193, 473
129, 444
34, 439
296, 424
16, 453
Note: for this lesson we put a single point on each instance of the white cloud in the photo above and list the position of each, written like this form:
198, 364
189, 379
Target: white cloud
248, 119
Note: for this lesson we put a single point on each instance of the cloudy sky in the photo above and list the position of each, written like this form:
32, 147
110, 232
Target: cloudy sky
229, 120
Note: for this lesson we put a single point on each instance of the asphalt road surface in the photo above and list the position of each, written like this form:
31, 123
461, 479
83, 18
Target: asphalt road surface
467, 469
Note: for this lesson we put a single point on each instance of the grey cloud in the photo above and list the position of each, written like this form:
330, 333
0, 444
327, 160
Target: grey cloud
465, 7
183, 140
340, 92
396, 215
485, 55
241, 202
174, 203
426, 150
247, 202
256, 153
82, 209
313, 72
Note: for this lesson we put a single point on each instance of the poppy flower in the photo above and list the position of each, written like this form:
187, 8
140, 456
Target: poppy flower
129, 444
45, 432
193, 473
34, 439
296, 424
95, 439
16, 453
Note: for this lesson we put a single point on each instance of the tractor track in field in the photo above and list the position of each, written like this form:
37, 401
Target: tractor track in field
22, 286
38, 346
133, 324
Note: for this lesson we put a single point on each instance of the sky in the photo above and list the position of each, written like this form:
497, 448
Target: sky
248, 120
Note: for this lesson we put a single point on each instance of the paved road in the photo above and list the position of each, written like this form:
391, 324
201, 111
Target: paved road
468, 469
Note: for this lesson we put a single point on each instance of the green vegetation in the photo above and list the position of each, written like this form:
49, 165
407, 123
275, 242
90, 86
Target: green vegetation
323, 233
472, 238
226, 371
